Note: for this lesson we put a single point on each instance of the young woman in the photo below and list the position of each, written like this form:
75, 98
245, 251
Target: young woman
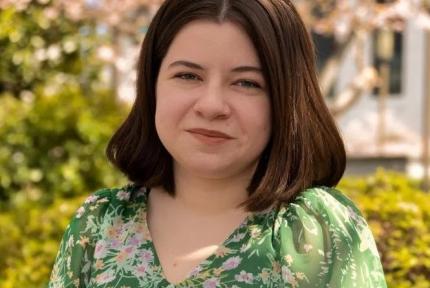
231, 155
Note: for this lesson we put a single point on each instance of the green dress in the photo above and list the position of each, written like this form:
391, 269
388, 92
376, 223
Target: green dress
318, 240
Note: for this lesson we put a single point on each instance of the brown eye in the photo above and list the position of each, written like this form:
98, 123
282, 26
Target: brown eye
249, 84
187, 76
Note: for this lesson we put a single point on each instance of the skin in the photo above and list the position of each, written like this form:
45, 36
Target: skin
201, 86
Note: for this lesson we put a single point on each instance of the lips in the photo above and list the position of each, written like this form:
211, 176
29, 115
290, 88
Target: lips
210, 133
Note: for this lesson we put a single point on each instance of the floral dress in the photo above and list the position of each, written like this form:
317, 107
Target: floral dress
318, 240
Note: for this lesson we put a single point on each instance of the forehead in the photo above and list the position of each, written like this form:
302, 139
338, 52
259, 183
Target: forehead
209, 41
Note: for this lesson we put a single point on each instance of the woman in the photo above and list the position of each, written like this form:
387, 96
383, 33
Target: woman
231, 154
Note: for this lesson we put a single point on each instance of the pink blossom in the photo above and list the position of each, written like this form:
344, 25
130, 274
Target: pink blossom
100, 250
244, 277
146, 256
142, 269
211, 283
123, 195
105, 277
91, 199
231, 263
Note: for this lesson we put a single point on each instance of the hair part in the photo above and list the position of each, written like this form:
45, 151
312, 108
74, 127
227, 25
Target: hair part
305, 148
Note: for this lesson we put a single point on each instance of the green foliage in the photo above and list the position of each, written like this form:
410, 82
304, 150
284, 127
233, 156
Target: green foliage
52, 153
54, 146
30, 237
56, 117
398, 213
39, 48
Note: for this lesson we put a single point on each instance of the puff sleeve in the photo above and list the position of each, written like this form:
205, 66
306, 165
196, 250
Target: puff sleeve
72, 266
324, 241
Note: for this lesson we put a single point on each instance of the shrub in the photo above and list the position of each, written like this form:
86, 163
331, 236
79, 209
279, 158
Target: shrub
53, 146
398, 212
30, 239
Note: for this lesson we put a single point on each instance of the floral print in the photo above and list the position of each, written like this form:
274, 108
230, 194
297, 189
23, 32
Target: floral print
318, 240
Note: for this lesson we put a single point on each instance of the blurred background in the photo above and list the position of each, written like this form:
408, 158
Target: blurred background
67, 76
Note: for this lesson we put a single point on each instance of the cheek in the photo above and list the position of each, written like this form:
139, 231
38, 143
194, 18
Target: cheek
256, 119
171, 107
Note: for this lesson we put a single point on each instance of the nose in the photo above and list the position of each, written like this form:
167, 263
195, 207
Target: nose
211, 103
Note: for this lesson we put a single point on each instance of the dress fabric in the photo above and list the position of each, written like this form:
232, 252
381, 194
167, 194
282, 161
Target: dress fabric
318, 240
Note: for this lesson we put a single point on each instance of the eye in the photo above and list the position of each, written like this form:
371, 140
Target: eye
249, 84
187, 76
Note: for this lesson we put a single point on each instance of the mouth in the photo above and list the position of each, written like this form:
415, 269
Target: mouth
209, 135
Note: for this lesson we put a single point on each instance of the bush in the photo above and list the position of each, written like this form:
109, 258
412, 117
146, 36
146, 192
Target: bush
51, 154
53, 146
33, 233
398, 213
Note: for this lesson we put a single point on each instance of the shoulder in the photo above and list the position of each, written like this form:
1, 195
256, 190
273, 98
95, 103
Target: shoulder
96, 205
325, 229
328, 209
323, 200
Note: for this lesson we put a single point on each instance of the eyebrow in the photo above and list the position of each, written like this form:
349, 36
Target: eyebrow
198, 67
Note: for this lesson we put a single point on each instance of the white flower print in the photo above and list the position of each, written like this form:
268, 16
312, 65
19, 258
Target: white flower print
243, 276
231, 263
123, 195
289, 259
308, 247
238, 237
91, 199
80, 212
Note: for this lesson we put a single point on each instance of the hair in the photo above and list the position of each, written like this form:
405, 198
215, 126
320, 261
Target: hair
305, 148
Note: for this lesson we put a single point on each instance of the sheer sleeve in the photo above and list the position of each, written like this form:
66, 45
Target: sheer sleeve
324, 241
72, 266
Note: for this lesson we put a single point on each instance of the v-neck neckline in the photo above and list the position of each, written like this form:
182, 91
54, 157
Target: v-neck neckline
203, 264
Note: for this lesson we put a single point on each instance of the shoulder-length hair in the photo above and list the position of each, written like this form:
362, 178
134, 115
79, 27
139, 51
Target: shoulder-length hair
305, 148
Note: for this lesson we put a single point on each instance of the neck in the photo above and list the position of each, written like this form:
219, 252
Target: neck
208, 195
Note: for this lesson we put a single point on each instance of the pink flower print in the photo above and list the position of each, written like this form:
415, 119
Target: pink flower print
211, 283
146, 256
130, 250
100, 250
123, 195
105, 277
231, 263
195, 271
133, 241
80, 211
244, 277
115, 244
91, 199
288, 276
122, 256
142, 269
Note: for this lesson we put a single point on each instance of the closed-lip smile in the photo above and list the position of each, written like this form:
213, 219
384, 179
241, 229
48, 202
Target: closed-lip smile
210, 133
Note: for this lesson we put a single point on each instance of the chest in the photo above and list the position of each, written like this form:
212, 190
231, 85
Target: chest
182, 243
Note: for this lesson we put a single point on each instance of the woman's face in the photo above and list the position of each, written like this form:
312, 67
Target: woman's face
212, 108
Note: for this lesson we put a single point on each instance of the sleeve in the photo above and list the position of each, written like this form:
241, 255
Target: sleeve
325, 242
74, 258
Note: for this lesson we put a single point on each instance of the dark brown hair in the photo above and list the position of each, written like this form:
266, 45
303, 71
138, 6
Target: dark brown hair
305, 148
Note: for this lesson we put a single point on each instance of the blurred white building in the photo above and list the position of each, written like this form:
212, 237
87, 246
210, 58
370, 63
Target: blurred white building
402, 144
